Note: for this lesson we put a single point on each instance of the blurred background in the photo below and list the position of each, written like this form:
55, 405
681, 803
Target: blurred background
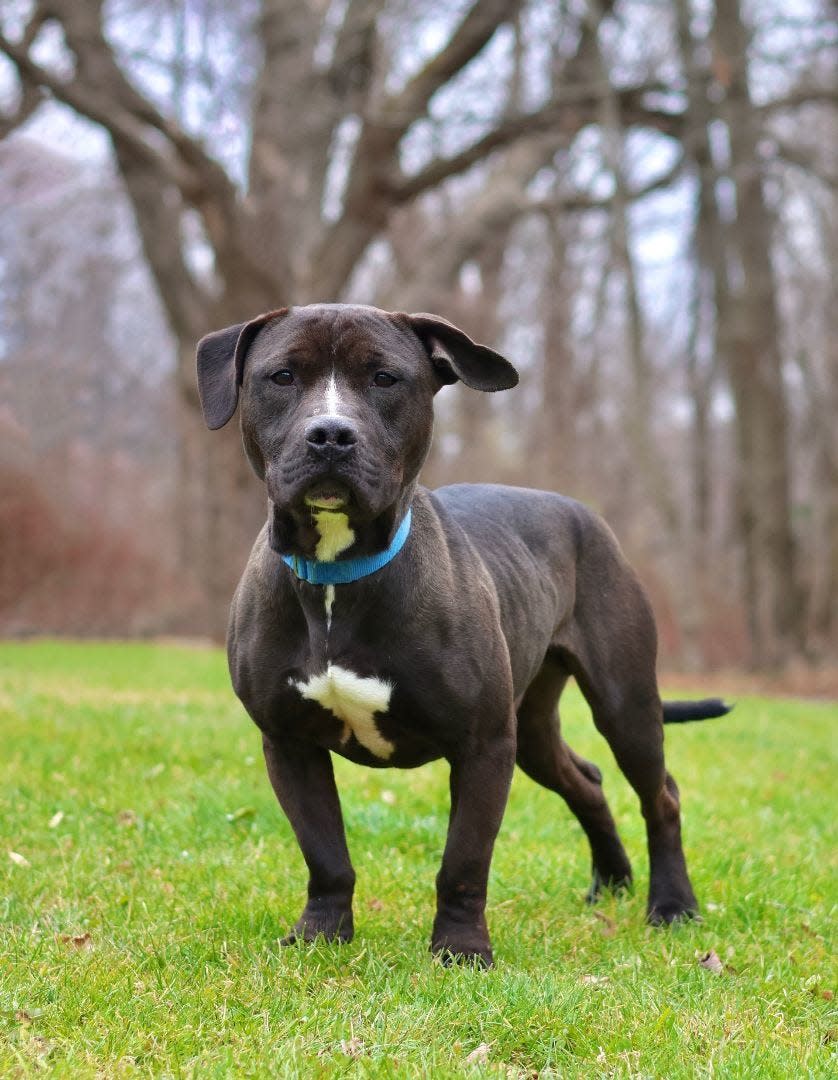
635, 201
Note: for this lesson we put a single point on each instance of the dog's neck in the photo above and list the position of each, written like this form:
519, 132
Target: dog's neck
330, 535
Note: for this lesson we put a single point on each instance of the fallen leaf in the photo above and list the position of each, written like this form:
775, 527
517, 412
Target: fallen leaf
42, 1045
352, 1047
375, 904
18, 859
56, 819
827, 995
78, 941
711, 961
609, 928
479, 1055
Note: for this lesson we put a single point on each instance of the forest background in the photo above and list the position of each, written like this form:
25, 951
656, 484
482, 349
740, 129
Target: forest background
634, 201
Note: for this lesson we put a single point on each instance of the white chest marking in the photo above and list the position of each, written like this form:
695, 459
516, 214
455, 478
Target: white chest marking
353, 700
335, 534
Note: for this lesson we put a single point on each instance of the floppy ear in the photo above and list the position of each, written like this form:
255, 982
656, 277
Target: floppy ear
221, 367
456, 356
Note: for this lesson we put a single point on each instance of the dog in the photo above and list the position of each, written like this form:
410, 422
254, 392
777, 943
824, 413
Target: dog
394, 625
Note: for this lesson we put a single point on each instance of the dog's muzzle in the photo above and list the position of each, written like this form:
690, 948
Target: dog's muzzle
332, 438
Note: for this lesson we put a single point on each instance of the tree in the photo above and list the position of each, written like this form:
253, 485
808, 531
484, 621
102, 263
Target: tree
281, 151
269, 238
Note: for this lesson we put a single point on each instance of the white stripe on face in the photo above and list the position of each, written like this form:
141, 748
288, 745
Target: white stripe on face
333, 399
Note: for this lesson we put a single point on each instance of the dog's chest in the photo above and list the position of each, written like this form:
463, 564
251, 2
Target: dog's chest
355, 700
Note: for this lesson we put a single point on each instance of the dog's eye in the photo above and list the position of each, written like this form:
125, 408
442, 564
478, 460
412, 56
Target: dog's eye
283, 378
384, 378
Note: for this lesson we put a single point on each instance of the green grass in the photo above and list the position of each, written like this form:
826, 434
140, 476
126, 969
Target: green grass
174, 858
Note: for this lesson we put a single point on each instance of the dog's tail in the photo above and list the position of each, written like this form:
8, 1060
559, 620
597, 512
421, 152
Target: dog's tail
679, 712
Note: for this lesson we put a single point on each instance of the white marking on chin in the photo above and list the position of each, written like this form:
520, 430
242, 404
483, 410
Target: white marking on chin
354, 700
335, 534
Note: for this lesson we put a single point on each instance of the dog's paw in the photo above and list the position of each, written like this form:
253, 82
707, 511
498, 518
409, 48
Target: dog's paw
331, 926
457, 943
667, 912
450, 955
618, 881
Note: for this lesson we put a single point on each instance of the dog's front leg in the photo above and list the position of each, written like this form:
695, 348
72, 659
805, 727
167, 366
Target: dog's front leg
480, 781
304, 782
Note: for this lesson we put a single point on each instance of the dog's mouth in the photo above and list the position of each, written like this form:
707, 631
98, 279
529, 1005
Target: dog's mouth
327, 495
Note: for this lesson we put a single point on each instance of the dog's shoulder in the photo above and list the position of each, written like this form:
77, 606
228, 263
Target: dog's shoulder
488, 512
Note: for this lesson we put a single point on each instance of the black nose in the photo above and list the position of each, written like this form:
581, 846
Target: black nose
332, 436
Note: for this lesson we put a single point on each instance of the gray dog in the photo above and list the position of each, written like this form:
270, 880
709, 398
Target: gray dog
394, 625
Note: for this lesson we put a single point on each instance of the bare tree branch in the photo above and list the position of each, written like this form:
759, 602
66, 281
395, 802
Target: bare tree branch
101, 92
806, 160
31, 95
481, 22
801, 95
352, 70
99, 109
567, 114
81, 21
373, 187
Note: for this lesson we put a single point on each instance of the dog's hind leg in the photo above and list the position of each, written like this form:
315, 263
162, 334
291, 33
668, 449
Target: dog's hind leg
546, 758
611, 652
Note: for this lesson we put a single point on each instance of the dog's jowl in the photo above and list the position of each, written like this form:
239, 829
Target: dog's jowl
394, 625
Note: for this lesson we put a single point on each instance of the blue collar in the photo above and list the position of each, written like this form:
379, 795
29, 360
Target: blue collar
343, 571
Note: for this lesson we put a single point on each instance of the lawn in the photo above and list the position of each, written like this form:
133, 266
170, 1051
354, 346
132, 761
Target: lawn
146, 873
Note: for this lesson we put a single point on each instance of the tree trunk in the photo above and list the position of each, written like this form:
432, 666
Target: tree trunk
751, 332
556, 432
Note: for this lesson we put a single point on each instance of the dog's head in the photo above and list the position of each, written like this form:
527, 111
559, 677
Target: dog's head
337, 401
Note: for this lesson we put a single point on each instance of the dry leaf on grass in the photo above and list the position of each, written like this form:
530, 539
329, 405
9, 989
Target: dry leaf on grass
609, 928
352, 1047
56, 819
18, 859
78, 941
710, 961
375, 904
42, 1046
479, 1055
